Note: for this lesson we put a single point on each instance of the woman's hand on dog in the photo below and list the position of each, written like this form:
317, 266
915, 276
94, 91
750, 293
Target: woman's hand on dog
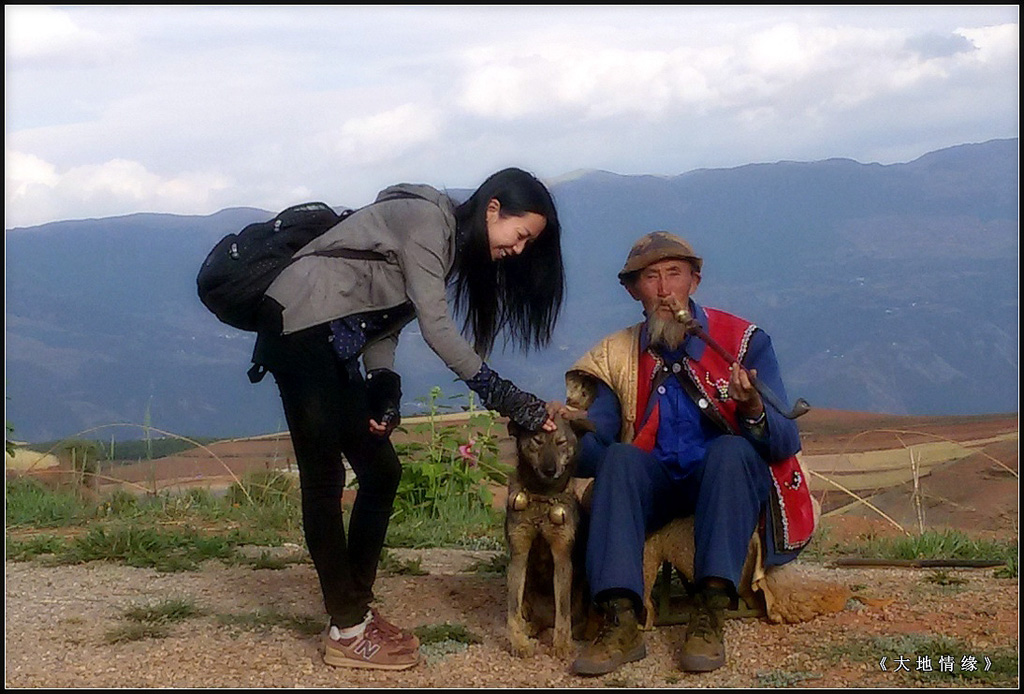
555, 409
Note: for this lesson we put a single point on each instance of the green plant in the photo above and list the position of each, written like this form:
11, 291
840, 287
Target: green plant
163, 612
163, 550
268, 504
436, 633
409, 567
1009, 569
136, 632
24, 550
134, 529
30, 503
439, 640
122, 504
945, 579
152, 621
446, 472
263, 487
498, 564
267, 561
938, 544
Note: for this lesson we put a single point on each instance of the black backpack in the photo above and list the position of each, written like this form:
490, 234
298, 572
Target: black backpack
240, 268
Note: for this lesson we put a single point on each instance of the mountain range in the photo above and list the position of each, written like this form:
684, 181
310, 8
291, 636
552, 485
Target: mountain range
885, 288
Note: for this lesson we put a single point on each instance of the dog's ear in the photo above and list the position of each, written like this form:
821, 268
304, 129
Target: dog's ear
514, 430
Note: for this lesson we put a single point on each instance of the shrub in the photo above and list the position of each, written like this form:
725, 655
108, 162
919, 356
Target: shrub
446, 477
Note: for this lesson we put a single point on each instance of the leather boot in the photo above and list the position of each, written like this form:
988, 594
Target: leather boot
704, 647
619, 640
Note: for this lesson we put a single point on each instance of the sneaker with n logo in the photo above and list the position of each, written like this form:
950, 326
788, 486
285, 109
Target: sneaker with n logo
375, 648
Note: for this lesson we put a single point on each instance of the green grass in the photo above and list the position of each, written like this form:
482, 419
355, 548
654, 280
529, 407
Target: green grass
437, 633
498, 564
136, 632
178, 532
439, 640
177, 549
944, 544
167, 532
25, 550
457, 526
391, 564
30, 504
271, 563
932, 544
152, 621
166, 611
443, 501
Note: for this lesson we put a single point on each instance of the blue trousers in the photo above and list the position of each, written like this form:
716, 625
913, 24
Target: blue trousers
634, 495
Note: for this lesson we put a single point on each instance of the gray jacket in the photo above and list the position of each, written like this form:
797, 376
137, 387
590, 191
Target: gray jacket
416, 238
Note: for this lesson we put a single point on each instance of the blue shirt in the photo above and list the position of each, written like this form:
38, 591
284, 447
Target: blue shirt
350, 334
683, 431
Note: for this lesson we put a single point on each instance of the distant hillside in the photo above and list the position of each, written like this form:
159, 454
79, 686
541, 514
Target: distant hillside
885, 288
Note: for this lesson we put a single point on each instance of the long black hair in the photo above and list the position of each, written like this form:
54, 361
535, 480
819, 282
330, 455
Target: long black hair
520, 295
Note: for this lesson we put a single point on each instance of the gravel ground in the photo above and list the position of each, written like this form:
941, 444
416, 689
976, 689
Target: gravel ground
59, 620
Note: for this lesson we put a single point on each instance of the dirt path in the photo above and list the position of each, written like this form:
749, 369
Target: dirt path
59, 619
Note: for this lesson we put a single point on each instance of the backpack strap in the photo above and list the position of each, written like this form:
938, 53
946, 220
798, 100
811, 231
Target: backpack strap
366, 255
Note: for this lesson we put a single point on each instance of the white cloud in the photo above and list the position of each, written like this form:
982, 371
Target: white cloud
994, 43
22, 171
815, 69
385, 136
39, 34
110, 188
30, 32
114, 109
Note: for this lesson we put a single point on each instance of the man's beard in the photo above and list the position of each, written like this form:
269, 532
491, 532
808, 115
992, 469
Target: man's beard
665, 332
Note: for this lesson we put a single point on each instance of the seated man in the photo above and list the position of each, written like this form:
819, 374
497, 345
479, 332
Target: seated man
680, 432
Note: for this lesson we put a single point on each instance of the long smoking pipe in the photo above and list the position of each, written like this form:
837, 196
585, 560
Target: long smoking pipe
800, 407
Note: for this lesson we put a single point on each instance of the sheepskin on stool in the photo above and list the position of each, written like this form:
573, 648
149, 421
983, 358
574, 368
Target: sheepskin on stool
787, 593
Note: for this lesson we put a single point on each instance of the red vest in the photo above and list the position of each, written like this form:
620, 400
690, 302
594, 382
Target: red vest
792, 513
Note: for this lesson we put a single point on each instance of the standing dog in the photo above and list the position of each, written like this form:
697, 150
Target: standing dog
546, 581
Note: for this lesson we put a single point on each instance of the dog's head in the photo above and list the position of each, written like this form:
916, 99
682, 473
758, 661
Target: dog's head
548, 458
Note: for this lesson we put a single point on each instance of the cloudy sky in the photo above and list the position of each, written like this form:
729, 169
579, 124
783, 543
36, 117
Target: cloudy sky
112, 110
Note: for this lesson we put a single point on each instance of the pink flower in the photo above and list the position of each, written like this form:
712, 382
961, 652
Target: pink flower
467, 453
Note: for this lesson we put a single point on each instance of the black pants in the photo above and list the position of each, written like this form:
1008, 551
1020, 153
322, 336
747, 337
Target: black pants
326, 410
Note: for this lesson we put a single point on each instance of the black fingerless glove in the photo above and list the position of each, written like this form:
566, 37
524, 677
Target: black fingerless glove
384, 395
501, 395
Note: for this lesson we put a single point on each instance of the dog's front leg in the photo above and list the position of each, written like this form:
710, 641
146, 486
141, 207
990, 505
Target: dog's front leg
562, 639
652, 562
519, 639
